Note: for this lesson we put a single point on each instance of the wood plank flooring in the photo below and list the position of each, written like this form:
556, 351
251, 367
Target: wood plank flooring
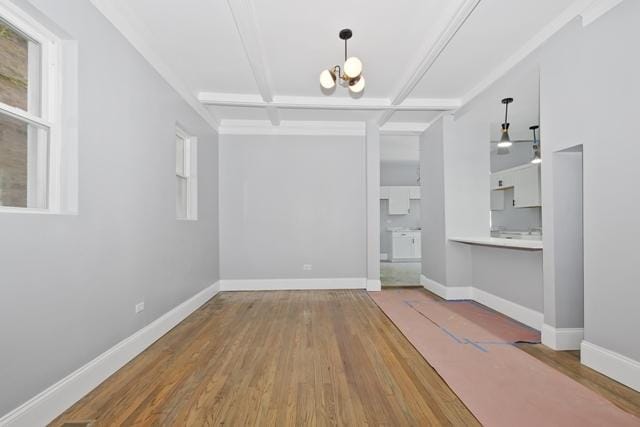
568, 362
277, 358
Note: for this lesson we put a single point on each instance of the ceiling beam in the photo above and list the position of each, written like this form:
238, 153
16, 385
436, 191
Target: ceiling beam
326, 103
455, 23
404, 128
245, 20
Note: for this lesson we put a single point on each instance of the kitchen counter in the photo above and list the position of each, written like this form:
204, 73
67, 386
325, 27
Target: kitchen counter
533, 245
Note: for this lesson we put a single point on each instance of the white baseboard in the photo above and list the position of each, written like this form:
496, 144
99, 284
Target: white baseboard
384, 257
44, 407
621, 368
522, 314
562, 338
518, 312
446, 292
374, 285
292, 284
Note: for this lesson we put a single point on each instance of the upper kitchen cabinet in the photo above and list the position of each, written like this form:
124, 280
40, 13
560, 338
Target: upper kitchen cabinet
525, 181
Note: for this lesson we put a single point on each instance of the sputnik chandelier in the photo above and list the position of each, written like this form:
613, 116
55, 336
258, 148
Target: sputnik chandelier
350, 74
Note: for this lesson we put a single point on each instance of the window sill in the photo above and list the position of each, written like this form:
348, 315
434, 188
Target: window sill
34, 211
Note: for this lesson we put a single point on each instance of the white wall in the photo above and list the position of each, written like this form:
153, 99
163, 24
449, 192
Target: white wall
292, 200
69, 283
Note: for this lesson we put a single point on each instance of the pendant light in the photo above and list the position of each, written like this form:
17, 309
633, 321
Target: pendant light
505, 139
536, 146
351, 73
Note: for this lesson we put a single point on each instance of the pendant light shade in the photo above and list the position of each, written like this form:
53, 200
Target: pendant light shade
536, 147
505, 139
353, 67
327, 79
536, 158
357, 85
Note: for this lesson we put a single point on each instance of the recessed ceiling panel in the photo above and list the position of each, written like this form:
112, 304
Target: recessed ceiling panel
300, 39
197, 39
495, 31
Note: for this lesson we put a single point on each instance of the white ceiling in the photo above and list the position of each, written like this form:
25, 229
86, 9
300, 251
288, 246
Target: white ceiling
259, 60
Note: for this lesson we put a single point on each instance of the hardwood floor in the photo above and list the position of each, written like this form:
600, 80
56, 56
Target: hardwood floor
568, 362
277, 358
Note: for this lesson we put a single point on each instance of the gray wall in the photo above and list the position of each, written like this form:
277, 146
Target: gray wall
399, 173
292, 200
578, 58
432, 203
69, 283
515, 275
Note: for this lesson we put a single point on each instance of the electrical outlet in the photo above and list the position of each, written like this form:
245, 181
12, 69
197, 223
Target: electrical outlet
307, 267
139, 307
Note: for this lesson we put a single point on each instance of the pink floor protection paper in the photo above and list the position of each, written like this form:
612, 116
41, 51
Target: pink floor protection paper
471, 347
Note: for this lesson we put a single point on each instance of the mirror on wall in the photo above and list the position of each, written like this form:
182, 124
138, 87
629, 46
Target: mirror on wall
515, 147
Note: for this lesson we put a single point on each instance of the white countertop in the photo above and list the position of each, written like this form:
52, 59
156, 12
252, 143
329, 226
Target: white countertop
534, 245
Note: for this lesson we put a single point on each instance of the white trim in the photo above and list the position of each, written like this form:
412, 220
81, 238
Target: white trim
295, 127
562, 338
384, 256
529, 317
529, 47
292, 284
246, 23
596, 9
326, 103
44, 407
124, 20
446, 292
404, 128
374, 285
621, 368
454, 23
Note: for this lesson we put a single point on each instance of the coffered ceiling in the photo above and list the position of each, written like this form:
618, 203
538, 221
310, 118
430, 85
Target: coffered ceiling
259, 60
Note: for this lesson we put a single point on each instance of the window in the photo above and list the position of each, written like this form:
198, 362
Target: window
186, 176
27, 115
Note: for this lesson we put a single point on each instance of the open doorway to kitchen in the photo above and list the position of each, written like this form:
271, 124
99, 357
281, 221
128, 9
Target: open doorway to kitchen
400, 240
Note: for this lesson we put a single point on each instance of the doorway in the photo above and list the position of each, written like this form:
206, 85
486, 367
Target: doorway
400, 230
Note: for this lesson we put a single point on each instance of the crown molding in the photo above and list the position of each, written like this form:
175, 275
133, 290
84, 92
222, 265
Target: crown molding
588, 10
325, 103
125, 22
291, 127
247, 25
450, 29
596, 9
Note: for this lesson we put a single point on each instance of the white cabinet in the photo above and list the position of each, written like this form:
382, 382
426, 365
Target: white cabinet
503, 179
399, 201
414, 191
526, 191
525, 181
406, 245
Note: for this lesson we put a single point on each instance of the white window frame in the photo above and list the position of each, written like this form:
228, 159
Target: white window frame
190, 156
50, 104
